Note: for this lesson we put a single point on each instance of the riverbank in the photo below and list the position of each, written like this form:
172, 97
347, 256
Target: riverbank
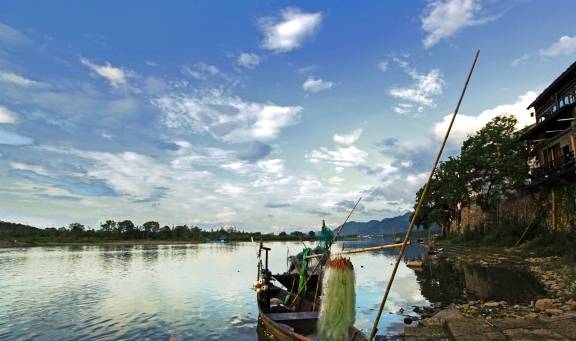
25, 243
550, 316
11, 244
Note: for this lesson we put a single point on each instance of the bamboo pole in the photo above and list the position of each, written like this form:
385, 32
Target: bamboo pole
363, 249
421, 200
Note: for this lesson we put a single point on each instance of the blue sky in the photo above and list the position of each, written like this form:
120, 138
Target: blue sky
267, 115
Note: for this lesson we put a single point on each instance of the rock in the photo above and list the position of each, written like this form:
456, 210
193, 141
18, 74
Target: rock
572, 304
554, 311
516, 307
543, 304
408, 320
492, 304
532, 315
448, 314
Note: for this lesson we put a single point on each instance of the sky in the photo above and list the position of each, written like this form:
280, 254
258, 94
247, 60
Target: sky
265, 115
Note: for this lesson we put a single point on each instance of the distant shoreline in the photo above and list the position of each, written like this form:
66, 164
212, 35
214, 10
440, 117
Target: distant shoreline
17, 244
7, 244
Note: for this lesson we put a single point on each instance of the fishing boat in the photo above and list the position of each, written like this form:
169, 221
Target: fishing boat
289, 302
285, 313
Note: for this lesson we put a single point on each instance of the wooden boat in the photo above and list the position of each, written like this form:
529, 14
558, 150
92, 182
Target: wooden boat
287, 325
296, 320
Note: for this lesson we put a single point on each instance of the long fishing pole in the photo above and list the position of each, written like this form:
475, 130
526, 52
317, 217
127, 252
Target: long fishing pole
421, 200
345, 221
327, 251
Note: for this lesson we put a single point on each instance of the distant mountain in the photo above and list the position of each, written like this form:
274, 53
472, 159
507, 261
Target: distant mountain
375, 227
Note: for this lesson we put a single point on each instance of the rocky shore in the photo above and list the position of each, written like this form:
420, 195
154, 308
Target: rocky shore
552, 317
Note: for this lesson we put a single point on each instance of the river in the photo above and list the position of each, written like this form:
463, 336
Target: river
169, 292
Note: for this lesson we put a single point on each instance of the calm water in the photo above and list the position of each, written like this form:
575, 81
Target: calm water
170, 292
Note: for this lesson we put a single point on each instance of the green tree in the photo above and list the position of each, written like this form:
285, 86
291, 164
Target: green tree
150, 228
108, 227
447, 188
495, 162
76, 228
165, 233
312, 234
492, 165
127, 229
181, 232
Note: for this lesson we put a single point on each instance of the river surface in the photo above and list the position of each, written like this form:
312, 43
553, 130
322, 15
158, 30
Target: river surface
172, 292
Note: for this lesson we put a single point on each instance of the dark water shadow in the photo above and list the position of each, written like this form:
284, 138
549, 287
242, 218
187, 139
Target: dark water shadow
446, 282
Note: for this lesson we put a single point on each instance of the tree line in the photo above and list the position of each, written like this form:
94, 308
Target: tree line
112, 230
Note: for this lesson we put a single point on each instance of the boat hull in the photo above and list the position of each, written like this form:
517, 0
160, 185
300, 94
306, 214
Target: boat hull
299, 325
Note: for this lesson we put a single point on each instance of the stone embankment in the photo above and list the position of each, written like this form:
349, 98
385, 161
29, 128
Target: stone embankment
549, 318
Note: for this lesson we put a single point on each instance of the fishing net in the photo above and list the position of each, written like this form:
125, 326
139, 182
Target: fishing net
302, 283
337, 313
325, 237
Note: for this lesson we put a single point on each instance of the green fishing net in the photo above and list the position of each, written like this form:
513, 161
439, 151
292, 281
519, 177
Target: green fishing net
326, 236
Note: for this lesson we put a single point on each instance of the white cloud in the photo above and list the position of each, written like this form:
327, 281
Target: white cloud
29, 167
12, 78
201, 71
444, 18
348, 139
230, 190
248, 60
310, 188
421, 93
382, 66
11, 36
336, 180
274, 166
465, 125
189, 156
565, 46
340, 157
116, 76
239, 167
6, 115
262, 168
520, 60
290, 30
226, 118
132, 174
226, 215
316, 85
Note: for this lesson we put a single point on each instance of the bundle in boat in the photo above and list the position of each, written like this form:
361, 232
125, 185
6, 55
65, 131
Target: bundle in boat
337, 313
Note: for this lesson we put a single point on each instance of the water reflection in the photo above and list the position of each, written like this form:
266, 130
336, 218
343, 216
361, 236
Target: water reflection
445, 282
185, 291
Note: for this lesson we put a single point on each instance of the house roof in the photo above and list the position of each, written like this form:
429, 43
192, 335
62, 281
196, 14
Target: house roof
550, 89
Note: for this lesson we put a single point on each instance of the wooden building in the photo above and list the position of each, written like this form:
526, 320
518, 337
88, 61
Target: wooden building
553, 137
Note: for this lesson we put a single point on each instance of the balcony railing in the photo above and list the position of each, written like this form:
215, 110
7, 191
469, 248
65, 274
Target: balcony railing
565, 161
